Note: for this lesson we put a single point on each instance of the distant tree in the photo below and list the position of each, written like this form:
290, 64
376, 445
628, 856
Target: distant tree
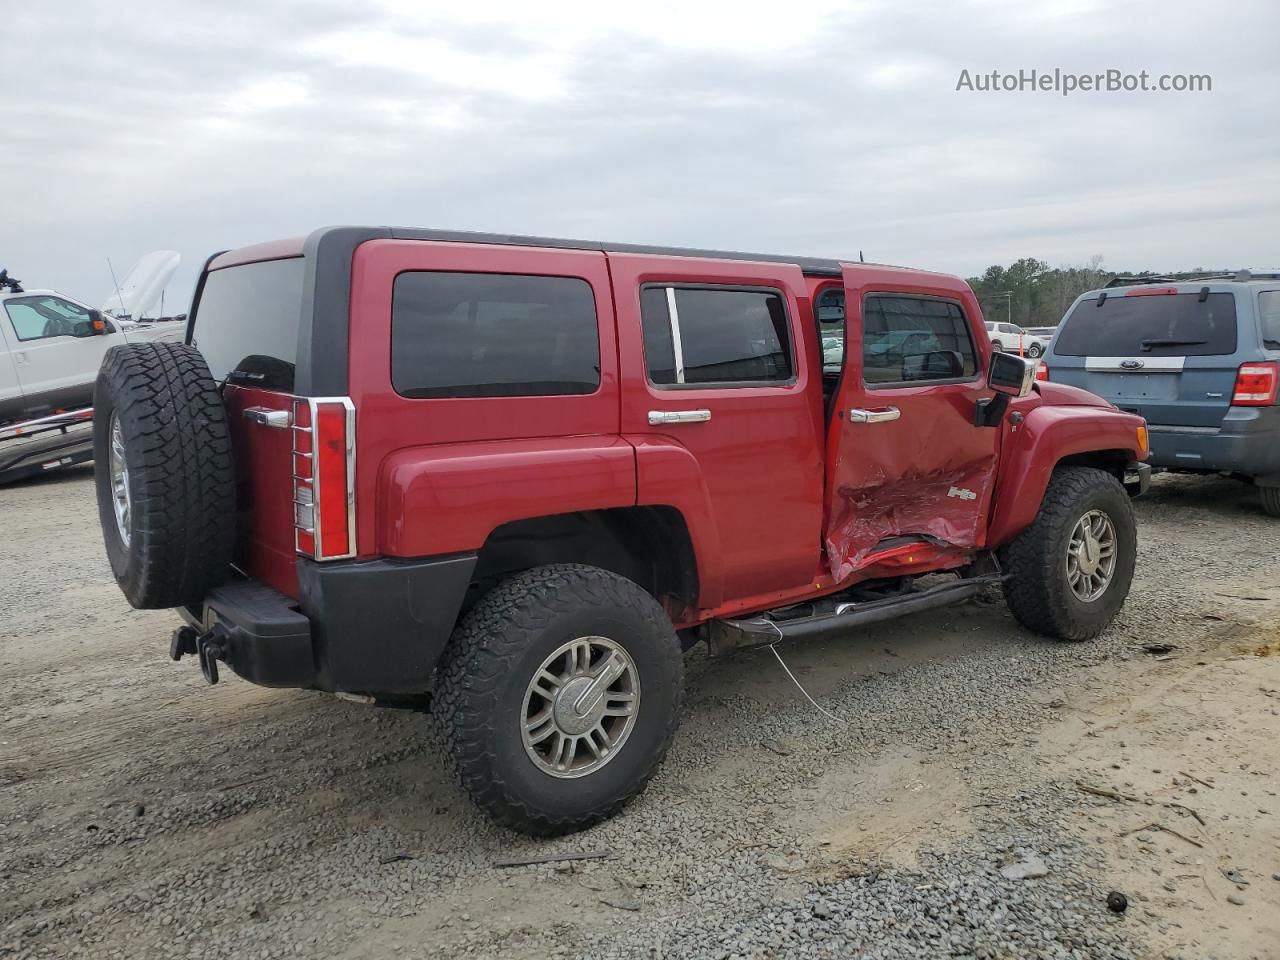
1032, 293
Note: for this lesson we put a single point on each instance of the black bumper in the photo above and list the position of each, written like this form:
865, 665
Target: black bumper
1137, 477
375, 627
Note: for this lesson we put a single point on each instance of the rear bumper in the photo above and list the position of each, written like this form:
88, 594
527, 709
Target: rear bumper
374, 627
1247, 442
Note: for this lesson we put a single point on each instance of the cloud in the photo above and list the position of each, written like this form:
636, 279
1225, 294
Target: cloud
817, 128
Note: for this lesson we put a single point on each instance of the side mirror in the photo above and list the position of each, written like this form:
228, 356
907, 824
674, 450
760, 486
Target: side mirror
1011, 375
98, 323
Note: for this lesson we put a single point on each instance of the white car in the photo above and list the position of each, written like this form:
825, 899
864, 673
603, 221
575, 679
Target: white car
1011, 338
51, 347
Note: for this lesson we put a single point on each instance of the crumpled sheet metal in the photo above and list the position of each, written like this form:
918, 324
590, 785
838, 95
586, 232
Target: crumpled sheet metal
948, 504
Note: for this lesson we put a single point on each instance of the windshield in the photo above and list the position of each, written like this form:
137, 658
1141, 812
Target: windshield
1163, 325
247, 320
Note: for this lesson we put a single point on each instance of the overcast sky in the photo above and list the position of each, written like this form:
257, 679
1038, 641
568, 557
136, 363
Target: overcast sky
800, 127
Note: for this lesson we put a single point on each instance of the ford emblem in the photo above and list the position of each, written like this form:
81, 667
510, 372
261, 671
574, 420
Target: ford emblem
1131, 364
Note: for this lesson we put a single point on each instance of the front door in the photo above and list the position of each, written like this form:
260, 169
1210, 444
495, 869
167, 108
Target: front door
56, 352
905, 456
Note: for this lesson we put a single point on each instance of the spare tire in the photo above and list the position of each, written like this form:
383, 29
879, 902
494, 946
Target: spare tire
164, 475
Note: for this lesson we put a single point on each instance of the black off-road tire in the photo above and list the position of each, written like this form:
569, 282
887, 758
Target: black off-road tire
492, 657
1270, 500
1034, 351
1036, 587
181, 479
997, 346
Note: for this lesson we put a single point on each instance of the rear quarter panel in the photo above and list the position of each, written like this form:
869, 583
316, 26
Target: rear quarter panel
431, 473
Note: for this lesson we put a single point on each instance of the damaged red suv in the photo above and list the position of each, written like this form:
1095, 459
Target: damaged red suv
523, 475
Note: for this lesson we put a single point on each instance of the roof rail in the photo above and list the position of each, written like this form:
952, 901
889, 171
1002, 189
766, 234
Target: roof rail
1224, 276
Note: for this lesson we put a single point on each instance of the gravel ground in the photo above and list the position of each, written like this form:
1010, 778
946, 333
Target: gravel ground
147, 815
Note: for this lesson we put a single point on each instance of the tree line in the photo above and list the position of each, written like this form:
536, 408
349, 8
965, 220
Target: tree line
1030, 293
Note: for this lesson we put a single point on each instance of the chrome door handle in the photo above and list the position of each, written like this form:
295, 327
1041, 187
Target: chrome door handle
678, 416
267, 417
874, 416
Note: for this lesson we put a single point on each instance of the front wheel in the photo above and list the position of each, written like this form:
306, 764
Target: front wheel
1034, 351
559, 696
1068, 574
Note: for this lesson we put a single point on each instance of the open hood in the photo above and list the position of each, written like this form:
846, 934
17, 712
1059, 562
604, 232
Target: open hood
139, 290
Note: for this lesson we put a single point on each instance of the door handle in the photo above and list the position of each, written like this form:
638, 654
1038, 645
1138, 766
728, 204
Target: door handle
874, 416
267, 417
678, 416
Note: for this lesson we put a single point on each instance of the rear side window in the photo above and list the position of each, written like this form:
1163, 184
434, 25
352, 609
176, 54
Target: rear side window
493, 335
1269, 318
1161, 325
910, 339
246, 323
719, 336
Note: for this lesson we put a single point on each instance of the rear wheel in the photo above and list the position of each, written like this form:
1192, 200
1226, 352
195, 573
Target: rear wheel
1270, 500
997, 346
1068, 574
559, 695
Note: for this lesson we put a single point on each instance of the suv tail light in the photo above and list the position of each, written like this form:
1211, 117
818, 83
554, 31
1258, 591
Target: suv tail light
1256, 384
324, 474
1042, 372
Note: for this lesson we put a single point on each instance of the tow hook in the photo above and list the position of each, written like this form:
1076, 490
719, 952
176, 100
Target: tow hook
209, 648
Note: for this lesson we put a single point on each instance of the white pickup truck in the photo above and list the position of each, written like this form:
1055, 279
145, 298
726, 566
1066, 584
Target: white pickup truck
51, 347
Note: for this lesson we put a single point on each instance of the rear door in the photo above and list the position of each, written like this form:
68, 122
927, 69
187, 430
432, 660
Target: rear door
721, 374
11, 407
905, 458
1168, 354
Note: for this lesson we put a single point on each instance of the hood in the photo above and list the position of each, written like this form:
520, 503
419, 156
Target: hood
1064, 395
140, 289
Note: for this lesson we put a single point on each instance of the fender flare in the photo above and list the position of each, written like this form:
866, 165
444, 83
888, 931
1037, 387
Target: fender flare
1033, 449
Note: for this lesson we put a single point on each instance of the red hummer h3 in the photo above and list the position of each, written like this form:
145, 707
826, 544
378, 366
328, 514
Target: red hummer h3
523, 474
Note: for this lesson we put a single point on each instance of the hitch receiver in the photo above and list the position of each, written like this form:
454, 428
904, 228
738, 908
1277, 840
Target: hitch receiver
208, 647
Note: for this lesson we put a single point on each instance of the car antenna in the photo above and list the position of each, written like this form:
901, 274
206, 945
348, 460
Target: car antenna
116, 284
860, 257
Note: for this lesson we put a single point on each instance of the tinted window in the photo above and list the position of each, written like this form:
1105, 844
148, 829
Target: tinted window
1269, 318
493, 335
908, 339
247, 320
35, 318
725, 336
830, 312
1165, 325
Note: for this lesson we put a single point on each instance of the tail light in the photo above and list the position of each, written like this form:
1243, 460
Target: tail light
1256, 384
1042, 372
324, 473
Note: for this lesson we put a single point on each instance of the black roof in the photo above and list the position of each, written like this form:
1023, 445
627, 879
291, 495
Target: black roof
818, 266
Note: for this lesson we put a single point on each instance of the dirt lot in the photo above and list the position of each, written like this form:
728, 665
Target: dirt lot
145, 814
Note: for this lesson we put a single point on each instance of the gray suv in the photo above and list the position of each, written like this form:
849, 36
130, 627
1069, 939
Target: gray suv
1200, 360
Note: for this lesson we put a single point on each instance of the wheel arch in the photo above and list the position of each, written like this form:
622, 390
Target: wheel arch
1052, 437
649, 545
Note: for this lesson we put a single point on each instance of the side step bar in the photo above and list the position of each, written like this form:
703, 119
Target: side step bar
834, 616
